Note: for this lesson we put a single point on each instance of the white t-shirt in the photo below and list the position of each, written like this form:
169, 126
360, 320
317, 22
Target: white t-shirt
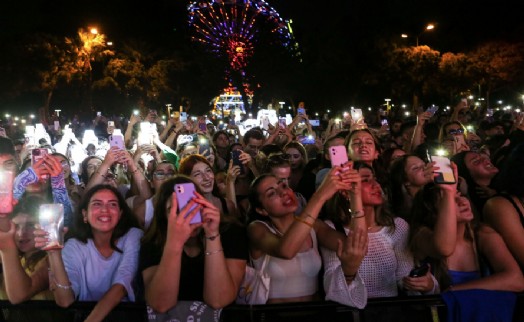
92, 274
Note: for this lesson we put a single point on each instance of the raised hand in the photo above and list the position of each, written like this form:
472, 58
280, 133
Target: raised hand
352, 250
179, 228
210, 215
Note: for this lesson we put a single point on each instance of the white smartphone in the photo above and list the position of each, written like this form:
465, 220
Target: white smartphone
117, 140
356, 114
445, 173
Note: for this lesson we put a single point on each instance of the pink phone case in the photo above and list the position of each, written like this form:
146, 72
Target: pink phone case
338, 155
184, 193
37, 154
116, 140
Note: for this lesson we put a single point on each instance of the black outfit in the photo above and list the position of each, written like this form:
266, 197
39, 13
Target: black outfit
235, 245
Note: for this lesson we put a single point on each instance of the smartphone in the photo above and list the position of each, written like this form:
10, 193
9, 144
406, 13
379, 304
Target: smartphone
51, 219
117, 140
309, 139
183, 116
356, 114
314, 122
202, 126
184, 193
6, 191
338, 155
98, 113
301, 110
419, 270
384, 122
445, 173
37, 154
235, 156
282, 122
111, 123
176, 114
433, 109
56, 125
135, 112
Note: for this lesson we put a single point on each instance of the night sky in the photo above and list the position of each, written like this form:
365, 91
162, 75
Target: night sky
460, 25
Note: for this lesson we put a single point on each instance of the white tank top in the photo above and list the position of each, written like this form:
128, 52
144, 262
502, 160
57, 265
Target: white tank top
294, 277
148, 213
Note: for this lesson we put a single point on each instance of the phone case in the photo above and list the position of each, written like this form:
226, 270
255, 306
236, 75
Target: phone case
356, 114
419, 270
202, 126
6, 191
282, 122
301, 110
117, 140
37, 154
184, 193
445, 173
111, 123
338, 155
235, 156
51, 219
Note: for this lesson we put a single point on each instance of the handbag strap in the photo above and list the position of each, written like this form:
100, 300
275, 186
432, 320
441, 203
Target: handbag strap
264, 263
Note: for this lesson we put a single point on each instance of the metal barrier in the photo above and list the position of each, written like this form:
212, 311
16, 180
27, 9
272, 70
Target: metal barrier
414, 308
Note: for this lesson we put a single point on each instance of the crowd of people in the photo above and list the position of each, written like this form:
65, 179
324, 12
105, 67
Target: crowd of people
376, 225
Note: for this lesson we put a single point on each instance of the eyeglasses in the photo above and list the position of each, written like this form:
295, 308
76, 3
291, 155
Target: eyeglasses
456, 131
161, 175
64, 164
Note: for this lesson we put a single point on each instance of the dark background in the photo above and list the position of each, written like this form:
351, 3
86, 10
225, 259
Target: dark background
335, 37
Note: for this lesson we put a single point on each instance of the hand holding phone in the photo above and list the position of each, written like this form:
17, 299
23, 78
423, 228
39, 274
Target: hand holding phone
419, 271
445, 173
36, 155
184, 193
235, 156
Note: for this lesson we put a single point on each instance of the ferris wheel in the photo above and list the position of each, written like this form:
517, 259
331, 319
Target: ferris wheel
229, 28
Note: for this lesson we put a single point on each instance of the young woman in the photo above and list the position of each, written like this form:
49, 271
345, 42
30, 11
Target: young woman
478, 172
180, 261
200, 170
505, 211
289, 240
362, 145
100, 260
24, 266
443, 232
375, 260
144, 208
300, 180
408, 174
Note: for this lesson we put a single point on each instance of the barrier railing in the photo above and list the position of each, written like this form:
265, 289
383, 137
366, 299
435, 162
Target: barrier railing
415, 308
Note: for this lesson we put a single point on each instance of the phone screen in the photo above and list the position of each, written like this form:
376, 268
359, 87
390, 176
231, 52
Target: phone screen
445, 173
184, 193
6, 191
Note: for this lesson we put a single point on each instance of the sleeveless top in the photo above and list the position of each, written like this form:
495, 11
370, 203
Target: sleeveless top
458, 277
508, 198
148, 212
294, 277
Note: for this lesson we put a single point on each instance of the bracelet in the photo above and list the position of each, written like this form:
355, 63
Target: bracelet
64, 287
357, 214
214, 252
308, 215
213, 237
303, 221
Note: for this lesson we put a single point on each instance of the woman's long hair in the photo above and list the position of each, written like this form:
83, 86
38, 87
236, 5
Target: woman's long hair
82, 231
424, 214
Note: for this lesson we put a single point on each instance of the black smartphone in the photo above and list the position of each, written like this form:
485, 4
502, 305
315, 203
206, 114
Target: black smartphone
235, 156
419, 270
